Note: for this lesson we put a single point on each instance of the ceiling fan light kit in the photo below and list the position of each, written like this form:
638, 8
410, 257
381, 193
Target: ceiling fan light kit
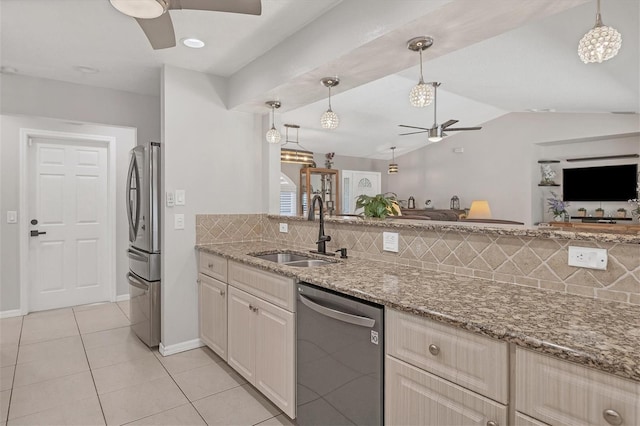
329, 119
143, 9
295, 155
273, 135
421, 94
393, 166
601, 43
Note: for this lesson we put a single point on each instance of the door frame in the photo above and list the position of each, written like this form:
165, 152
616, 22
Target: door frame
23, 223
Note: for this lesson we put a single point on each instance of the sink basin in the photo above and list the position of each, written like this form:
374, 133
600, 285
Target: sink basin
282, 257
308, 263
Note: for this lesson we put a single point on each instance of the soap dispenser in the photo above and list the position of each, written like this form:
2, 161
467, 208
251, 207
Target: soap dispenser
412, 203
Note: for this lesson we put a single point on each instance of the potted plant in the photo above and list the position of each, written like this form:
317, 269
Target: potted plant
378, 206
582, 212
599, 212
622, 212
558, 207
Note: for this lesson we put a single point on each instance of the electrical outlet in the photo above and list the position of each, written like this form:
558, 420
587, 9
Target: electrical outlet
587, 257
284, 228
178, 221
390, 241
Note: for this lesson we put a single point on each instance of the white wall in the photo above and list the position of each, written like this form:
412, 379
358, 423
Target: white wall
40, 97
9, 147
498, 161
216, 156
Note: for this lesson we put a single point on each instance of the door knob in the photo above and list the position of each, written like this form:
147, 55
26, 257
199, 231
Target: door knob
35, 233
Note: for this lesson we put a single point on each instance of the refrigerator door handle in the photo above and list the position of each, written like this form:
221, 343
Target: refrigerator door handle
136, 282
137, 256
337, 315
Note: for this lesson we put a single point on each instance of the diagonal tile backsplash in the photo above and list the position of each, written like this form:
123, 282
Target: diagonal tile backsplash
521, 260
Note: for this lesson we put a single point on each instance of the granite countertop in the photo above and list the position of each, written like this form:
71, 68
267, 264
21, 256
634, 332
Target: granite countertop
600, 334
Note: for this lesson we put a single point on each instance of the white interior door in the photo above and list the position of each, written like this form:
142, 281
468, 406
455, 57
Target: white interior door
68, 201
356, 183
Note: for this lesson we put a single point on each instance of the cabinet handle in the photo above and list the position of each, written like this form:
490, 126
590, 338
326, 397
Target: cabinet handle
210, 266
435, 350
255, 310
612, 417
198, 281
492, 423
250, 307
222, 292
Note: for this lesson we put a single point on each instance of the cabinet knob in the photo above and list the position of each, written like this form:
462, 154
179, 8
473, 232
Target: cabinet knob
492, 423
435, 350
250, 307
255, 310
612, 417
198, 281
222, 292
210, 265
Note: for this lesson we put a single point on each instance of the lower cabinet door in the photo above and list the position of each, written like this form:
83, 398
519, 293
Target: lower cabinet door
213, 314
414, 397
241, 341
275, 356
524, 420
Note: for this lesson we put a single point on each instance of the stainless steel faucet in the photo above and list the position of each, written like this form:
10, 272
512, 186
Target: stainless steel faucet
322, 239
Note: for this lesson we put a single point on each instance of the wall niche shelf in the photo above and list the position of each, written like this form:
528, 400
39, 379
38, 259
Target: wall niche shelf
547, 173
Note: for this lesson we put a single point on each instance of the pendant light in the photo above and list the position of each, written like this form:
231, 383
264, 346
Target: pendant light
329, 119
421, 95
601, 43
294, 155
273, 135
393, 167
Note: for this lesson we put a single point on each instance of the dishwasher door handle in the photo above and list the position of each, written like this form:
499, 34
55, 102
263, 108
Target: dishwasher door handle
338, 315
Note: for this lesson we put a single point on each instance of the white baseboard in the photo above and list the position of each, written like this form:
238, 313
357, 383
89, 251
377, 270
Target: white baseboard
11, 313
179, 347
122, 298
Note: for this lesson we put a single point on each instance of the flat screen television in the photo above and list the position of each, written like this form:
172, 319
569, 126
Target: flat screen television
607, 183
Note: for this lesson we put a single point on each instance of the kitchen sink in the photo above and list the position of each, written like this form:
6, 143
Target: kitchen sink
293, 259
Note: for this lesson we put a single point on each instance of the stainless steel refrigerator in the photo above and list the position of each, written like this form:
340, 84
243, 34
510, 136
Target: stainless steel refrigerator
143, 211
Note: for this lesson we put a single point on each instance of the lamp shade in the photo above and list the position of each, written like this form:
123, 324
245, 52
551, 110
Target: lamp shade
479, 210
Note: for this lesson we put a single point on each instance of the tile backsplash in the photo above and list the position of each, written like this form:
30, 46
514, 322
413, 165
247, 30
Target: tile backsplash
520, 260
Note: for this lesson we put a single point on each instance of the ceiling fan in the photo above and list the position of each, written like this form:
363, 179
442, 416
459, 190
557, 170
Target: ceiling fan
436, 132
154, 19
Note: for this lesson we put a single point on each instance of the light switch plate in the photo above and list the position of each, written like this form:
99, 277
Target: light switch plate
178, 221
390, 241
12, 216
180, 197
170, 199
587, 257
284, 228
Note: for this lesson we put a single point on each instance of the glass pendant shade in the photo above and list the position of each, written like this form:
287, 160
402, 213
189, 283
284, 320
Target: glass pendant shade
601, 43
329, 120
273, 136
421, 95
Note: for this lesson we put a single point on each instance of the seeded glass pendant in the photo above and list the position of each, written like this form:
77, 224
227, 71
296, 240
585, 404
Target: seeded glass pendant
329, 119
273, 135
421, 94
601, 43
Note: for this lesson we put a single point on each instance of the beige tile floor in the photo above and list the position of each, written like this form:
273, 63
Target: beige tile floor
83, 366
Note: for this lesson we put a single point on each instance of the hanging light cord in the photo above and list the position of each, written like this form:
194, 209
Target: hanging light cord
273, 116
435, 104
421, 78
330, 99
598, 15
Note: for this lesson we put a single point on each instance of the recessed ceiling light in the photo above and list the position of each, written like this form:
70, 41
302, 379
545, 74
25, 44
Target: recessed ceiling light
193, 43
8, 70
86, 70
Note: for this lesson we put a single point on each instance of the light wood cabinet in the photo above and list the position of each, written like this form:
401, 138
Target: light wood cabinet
268, 286
213, 266
524, 420
262, 347
467, 359
212, 302
562, 393
414, 397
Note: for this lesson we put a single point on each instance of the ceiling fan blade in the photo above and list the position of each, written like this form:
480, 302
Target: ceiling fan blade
449, 123
247, 7
412, 127
413, 133
159, 31
458, 129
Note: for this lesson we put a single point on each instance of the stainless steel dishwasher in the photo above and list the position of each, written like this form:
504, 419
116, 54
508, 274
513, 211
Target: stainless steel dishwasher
340, 359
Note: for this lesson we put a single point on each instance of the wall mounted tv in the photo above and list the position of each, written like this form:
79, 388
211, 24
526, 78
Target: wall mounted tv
607, 183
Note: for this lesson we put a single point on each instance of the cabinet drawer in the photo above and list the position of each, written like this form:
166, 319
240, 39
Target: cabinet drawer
415, 397
213, 266
472, 361
271, 287
562, 393
523, 420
